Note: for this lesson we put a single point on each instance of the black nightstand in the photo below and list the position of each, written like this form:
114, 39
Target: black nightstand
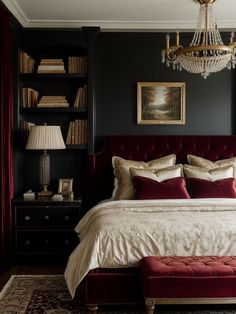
43, 230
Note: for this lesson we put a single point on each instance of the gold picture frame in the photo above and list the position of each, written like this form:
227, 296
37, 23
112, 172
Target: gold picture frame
65, 186
160, 103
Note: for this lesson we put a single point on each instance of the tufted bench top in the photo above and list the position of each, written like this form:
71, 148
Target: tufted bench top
188, 266
188, 280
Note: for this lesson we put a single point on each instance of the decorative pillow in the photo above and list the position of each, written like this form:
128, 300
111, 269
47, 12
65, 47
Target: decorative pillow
158, 174
121, 171
208, 164
146, 188
210, 175
199, 188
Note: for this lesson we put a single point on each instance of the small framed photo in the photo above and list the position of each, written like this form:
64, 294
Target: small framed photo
160, 103
65, 186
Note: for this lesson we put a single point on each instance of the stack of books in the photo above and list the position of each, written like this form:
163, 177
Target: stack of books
26, 63
29, 195
29, 97
77, 64
51, 66
53, 101
77, 132
81, 97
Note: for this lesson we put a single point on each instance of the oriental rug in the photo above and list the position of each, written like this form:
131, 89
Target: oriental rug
48, 294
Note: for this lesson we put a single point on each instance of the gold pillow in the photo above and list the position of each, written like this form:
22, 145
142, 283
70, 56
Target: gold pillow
208, 164
121, 167
219, 173
159, 174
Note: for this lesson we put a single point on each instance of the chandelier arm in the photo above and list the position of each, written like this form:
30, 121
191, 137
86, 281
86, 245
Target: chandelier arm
203, 48
206, 1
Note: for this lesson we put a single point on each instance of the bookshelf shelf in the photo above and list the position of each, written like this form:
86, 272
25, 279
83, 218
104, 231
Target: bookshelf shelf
46, 76
52, 110
76, 146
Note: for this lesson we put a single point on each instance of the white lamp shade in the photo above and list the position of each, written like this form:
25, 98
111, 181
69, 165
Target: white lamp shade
45, 137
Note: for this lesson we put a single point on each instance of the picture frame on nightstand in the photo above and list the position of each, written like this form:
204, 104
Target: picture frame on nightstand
65, 186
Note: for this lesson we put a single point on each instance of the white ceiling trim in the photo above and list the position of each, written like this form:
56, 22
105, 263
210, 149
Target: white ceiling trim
121, 25
16, 11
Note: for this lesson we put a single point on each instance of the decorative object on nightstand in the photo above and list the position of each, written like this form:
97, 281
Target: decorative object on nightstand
57, 197
65, 187
29, 195
44, 137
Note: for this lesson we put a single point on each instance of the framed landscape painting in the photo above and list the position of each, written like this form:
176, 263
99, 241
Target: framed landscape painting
160, 103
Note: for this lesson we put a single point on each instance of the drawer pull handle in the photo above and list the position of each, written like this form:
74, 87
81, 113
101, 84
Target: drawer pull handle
67, 242
66, 217
47, 217
27, 242
27, 218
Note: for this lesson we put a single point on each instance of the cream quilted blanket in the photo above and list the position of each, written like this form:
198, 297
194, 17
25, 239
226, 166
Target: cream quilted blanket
119, 233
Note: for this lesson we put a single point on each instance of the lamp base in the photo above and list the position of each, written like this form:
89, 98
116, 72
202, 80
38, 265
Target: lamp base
45, 191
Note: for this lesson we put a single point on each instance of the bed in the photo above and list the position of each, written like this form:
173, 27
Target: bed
120, 285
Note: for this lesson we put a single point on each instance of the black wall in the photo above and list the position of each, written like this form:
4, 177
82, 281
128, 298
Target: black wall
117, 61
123, 59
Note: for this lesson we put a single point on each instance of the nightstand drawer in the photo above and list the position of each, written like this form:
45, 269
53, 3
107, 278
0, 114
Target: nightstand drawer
46, 216
45, 241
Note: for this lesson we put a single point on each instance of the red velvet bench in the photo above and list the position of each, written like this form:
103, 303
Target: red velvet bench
188, 280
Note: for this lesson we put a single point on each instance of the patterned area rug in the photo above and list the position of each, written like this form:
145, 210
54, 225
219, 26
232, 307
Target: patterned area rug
49, 295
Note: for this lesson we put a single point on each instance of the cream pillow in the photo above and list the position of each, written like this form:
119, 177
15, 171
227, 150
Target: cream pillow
219, 173
208, 164
158, 174
121, 167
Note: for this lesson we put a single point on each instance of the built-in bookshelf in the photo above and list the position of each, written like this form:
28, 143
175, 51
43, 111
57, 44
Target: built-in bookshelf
36, 77
52, 89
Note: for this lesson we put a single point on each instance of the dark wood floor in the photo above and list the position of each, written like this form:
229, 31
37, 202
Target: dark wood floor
30, 270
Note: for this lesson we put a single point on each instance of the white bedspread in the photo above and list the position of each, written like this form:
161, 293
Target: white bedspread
119, 233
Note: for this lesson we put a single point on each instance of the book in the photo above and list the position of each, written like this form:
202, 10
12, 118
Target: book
77, 64
68, 137
29, 97
26, 63
81, 97
51, 67
53, 105
51, 71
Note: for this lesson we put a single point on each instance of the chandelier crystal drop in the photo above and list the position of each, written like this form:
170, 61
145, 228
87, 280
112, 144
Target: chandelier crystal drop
207, 53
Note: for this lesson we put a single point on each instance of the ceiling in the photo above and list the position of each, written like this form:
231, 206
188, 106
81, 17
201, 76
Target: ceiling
118, 14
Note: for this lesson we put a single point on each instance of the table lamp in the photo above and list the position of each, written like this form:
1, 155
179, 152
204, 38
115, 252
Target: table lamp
44, 137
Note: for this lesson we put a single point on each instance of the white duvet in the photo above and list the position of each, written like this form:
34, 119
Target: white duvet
119, 233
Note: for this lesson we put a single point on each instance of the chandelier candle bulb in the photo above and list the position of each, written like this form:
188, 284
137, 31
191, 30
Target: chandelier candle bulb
177, 38
232, 37
167, 42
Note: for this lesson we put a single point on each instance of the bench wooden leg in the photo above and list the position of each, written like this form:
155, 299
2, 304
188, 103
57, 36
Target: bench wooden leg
92, 308
150, 306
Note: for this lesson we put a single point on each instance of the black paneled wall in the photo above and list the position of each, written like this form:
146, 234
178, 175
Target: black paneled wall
123, 59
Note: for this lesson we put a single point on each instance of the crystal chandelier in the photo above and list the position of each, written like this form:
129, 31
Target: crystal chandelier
207, 53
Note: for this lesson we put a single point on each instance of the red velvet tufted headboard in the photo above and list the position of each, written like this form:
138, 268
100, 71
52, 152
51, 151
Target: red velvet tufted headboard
148, 147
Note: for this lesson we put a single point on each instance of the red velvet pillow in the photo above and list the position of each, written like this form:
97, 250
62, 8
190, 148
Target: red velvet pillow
146, 188
199, 188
